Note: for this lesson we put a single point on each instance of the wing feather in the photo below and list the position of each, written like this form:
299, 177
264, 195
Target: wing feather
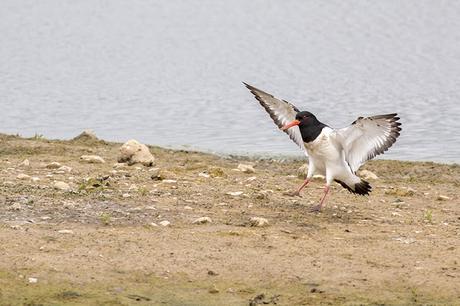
368, 137
281, 112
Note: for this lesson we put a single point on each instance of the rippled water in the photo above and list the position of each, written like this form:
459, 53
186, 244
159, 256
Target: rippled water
169, 72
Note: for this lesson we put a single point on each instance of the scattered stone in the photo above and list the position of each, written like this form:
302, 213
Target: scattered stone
368, 175
188, 208
87, 135
442, 198
216, 172
318, 177
165, 223
405, 240
259, 222
126, 195
53, 165
214, 289
169, 181
25, 163
234, 193
250, 179
61, 186
65, 169
401, 192
246, 168
133, 152
154, 172
302, 171
212, 273
15, 206
22, 176
202, 220
92, 159
119, 165
154, 224
133, 187
33, 280
203, 174
65, 231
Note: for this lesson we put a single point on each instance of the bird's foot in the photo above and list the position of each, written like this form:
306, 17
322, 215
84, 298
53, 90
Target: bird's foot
316, 208
295, 193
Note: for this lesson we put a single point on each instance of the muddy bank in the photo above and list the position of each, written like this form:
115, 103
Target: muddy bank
118, 234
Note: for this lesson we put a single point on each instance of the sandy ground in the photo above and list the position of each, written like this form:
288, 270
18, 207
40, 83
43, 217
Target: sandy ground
102, 242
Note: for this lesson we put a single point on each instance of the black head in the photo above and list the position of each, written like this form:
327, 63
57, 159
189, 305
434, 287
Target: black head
309, 126
306, 118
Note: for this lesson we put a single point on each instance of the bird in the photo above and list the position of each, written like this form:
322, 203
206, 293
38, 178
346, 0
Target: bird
337, 154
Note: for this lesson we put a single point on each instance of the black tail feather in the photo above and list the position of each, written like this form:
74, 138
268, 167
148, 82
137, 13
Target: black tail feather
361, 188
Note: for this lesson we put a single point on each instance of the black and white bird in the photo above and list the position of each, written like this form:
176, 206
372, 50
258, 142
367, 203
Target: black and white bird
335, 153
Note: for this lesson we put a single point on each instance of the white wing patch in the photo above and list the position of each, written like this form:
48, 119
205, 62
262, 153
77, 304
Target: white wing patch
368, 137
282, 112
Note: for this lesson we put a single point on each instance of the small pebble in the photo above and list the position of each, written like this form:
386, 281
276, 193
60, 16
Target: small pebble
234, 193
202, 220
246, 168
259, 222
61, 186
165, 223
65, 231
22, 176
92, 159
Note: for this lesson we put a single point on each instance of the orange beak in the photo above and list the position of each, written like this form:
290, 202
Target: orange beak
290, 124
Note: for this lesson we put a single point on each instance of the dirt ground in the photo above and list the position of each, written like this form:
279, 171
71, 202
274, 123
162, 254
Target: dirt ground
103, 243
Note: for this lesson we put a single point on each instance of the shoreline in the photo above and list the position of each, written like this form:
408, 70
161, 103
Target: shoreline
120, 234
236, 155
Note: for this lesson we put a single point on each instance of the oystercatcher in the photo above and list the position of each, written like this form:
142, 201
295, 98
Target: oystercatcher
335, 153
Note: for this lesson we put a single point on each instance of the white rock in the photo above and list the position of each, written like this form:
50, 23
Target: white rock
318, 177
61, 186
202, 220
246, 168
119, 165
22, 176
234, 193
53, 165
65, 169
368, 175
165, 223
258, 221
35, 179
250, 179
187, 208
126, 195
302, 171
203, 174
15, 206
133, 187
92, 159
25, 163
169, 181
134, 152
65, 231
443, 198
33, 280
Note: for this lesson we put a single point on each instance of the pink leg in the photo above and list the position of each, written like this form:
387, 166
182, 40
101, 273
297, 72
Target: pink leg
297, 192
321, 203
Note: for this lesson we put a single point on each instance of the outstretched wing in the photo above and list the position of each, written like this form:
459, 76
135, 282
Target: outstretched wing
282, 112
368, 137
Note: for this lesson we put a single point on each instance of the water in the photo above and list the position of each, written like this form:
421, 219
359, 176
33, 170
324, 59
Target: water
169, 72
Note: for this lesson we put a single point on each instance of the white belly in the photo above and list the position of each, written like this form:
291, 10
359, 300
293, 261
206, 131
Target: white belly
323, 152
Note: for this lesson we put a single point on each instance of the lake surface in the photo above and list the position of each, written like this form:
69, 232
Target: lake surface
169, 72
